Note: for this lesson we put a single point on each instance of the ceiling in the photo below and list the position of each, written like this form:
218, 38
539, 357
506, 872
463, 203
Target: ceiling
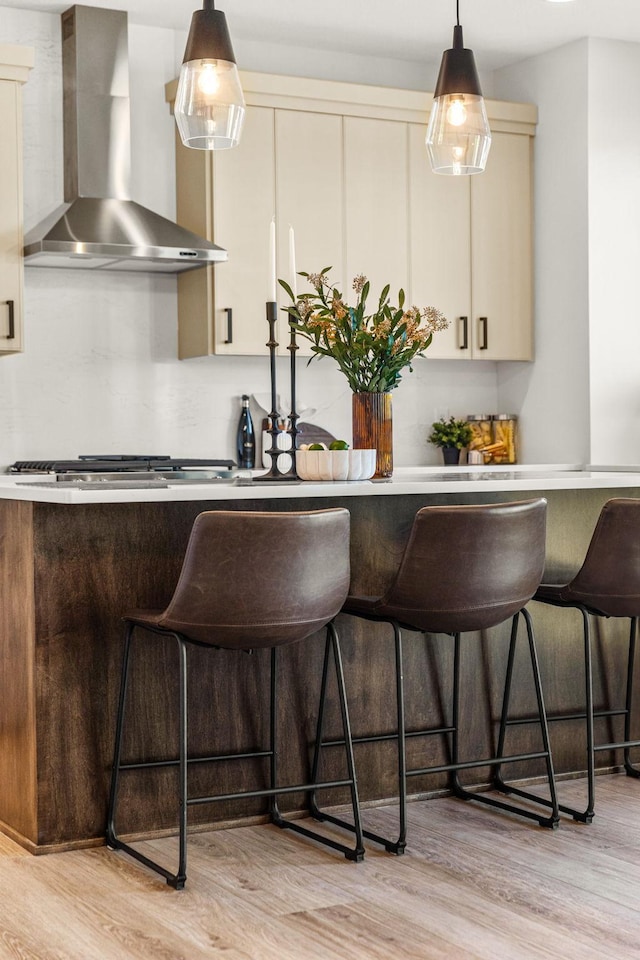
499, 31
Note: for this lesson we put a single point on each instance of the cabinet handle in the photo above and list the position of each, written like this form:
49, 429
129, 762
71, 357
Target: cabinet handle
229, 313
465, 333
12, 323
484, 325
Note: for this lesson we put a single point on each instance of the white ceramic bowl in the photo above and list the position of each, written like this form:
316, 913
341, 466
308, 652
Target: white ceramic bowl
335, 464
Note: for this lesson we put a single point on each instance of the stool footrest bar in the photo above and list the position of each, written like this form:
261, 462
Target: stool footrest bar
145, 764
470, 764
391, 846
271, 791
356, 855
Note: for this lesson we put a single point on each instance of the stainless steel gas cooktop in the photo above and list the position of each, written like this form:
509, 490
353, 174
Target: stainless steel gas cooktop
113, 471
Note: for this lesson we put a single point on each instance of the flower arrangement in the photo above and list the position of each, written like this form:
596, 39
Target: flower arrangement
450, 433
371, 349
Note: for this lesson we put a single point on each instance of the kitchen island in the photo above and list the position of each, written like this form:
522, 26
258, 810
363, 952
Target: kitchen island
74, 560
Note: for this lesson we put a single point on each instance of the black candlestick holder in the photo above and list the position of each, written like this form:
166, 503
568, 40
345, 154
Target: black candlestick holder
274, 451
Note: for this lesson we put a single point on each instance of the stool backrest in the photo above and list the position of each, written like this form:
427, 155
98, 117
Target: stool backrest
469, 567
609, 579
253, 579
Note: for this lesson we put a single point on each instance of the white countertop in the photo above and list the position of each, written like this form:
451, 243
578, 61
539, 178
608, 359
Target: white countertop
406, 480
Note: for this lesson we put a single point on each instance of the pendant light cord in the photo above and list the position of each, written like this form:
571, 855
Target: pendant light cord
458, 12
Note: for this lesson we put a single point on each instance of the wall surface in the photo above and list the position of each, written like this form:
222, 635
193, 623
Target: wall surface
581, 399
552, 394
100, 374
614, 251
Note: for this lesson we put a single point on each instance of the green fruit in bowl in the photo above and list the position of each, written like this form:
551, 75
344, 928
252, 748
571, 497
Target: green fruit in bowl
316, 446
338, 445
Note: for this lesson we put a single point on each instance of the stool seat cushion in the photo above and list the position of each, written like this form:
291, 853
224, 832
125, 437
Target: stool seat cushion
565, 595
467, 618
250, 636
465, 568
253, 579
608, 582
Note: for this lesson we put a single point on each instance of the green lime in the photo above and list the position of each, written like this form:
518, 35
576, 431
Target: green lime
316, 446
338, 445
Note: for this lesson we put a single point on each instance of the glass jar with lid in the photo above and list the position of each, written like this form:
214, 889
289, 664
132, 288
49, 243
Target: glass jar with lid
481, 433
504, 448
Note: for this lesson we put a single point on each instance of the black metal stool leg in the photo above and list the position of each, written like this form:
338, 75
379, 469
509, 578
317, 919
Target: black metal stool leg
544, 821
401, 843
544, 726
112, 839
176, 880
587, 816
456, 786
630, 770
315, 810
391, 846
274, 810
355, 853
358, 853
179, 880
498, 780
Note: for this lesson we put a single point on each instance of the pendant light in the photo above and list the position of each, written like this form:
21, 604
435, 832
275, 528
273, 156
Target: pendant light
209, 107
458, 136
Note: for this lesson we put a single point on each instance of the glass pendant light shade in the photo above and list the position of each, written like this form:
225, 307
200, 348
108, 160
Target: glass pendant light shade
458, 136
209, 107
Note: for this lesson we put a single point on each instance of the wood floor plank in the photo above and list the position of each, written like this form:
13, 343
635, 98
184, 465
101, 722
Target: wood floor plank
473, 885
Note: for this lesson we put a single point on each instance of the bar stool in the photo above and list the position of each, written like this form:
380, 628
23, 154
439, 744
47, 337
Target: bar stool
465, 568
235, 593
607, 585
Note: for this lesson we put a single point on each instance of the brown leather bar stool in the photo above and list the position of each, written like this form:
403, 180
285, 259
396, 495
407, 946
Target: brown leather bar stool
465, 568
607, 585
224, 601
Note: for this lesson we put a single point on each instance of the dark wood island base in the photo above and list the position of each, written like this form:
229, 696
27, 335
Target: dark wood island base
69, 572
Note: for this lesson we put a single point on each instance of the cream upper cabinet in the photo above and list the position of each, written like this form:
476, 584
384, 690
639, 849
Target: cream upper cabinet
228, 197
471, 251
376, 211
15, 63
344, 167
440, 245
310, 201
288, 165
501, 252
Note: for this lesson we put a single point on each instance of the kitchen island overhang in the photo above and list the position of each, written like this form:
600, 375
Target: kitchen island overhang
407, 481
70, 568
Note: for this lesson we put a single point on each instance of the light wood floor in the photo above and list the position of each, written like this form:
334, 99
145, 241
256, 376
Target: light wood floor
473, 885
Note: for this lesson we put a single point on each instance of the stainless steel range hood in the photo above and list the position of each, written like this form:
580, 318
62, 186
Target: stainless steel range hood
100, 226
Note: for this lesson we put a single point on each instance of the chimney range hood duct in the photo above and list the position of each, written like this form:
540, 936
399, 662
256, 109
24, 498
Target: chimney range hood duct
99, 226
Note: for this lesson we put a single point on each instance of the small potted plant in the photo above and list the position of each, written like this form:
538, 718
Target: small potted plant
451, 435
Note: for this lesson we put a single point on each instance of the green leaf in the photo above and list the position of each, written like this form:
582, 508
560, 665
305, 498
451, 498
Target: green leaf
285, 286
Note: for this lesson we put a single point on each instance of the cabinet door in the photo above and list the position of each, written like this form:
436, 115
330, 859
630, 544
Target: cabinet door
309, 192
243, 204
440, 266
228, 197
376, 209
10, 219
501, 252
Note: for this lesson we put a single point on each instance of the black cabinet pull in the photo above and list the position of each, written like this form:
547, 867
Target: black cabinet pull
12, 322
465, 333
484, 324
229, 313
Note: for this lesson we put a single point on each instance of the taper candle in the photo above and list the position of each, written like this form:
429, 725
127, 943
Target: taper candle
292, 262
272, 261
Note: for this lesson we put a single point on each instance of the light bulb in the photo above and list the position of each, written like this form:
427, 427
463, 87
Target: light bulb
457, 154
208, 81
457, 112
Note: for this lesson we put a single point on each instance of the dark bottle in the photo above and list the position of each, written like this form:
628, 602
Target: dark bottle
246, 437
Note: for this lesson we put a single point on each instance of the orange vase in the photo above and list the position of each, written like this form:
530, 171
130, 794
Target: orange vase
373, 428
